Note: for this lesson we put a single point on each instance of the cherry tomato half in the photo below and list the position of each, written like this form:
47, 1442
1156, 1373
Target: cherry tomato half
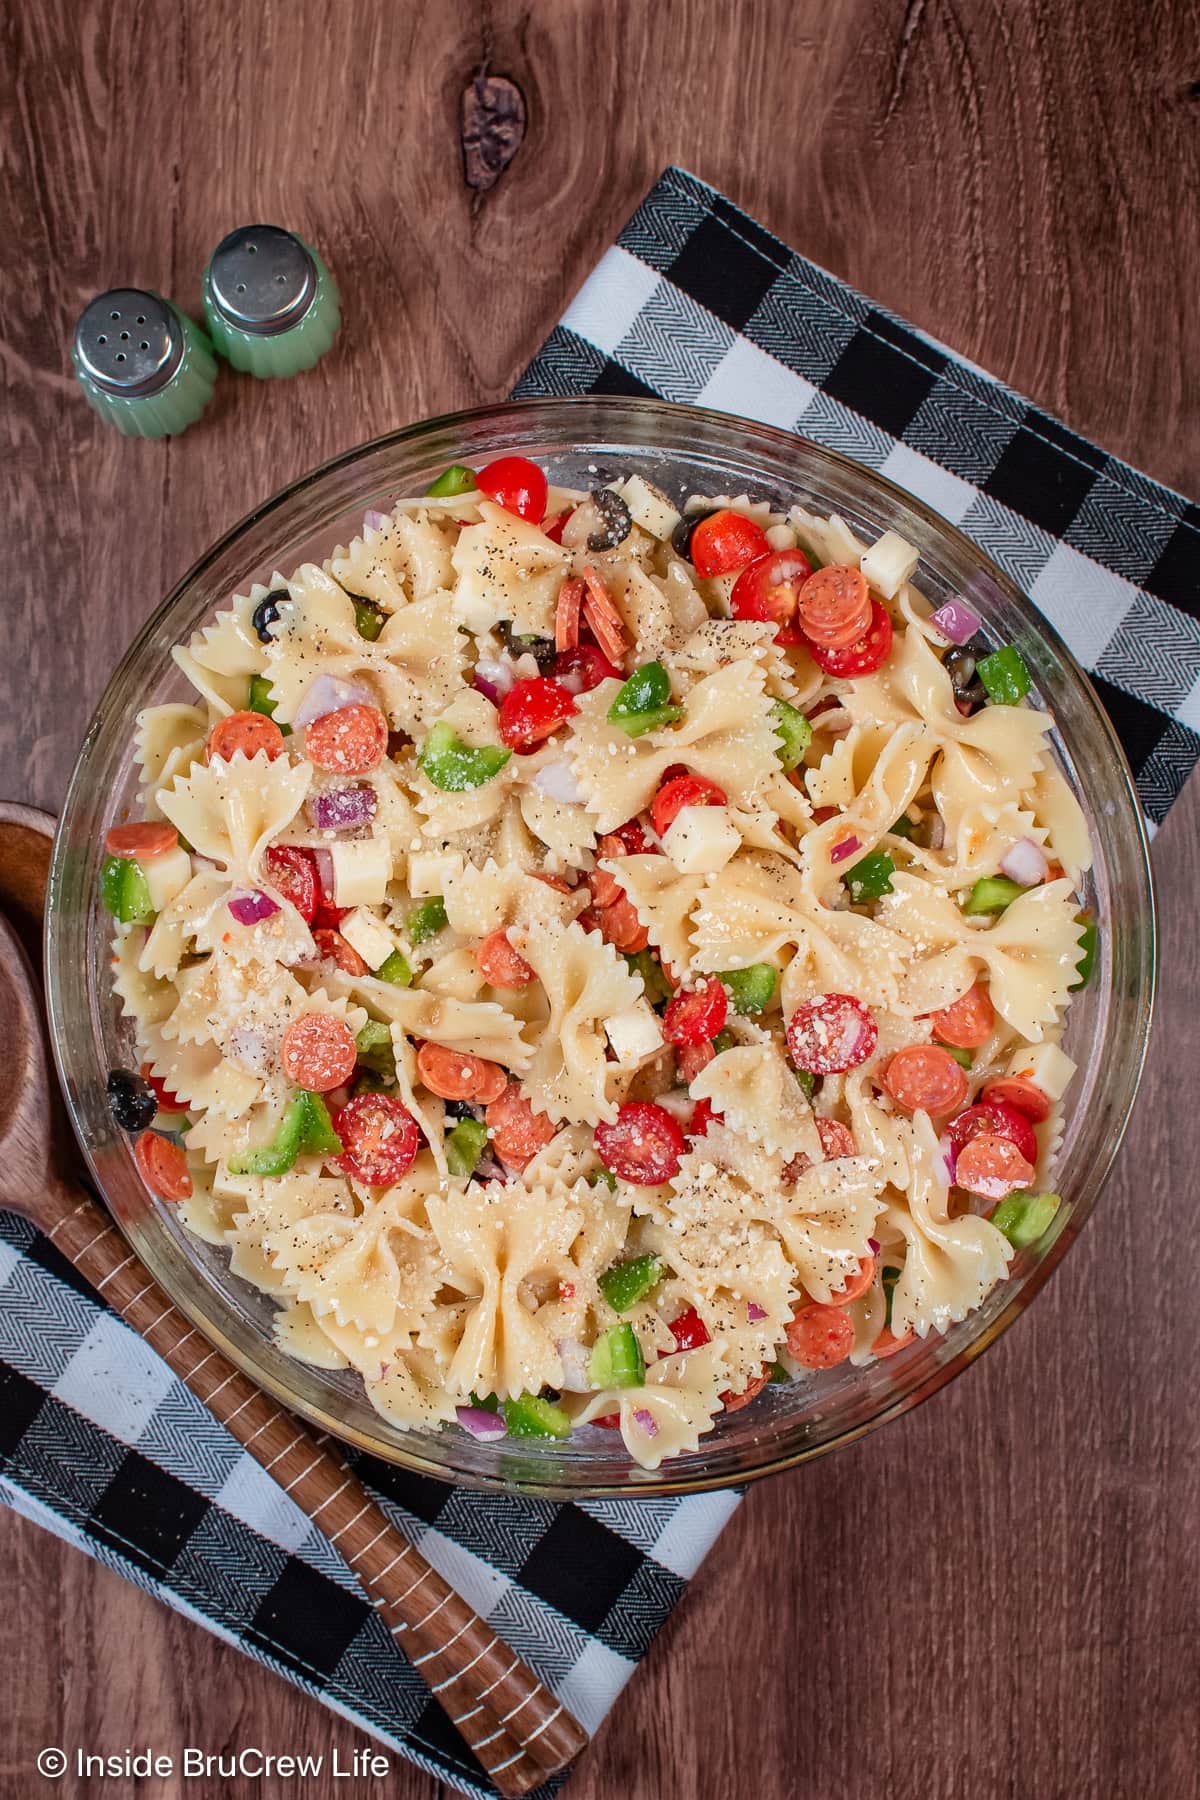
380, 1139
517, 485
644, 1144
683, 790
997, 1120
583, 668
829, 1035
292, 873
1019, 1093
533, 710
726, 541
863, 657
697, 1016
168, 1101
769, 588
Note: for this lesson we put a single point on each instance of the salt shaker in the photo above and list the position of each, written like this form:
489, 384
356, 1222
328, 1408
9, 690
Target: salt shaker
270, 303
142, 364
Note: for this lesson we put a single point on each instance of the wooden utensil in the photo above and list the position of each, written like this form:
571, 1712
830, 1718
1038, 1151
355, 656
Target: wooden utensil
516, 1728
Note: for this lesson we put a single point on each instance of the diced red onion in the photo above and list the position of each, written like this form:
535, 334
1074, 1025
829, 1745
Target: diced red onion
956, 621
494, 678
946, 1146
646, 1422
323, 858
482, 1424
576, 1360
375, 521
1025, 863
937, 832
874, 1246
846, 848
340, 809
488, 689
329, 693
557, 781
755, 1312
248, 909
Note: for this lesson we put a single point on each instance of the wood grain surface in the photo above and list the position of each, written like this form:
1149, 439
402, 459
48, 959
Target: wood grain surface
996, 1596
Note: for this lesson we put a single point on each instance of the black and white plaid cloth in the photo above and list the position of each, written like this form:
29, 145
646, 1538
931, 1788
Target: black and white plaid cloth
102, 1445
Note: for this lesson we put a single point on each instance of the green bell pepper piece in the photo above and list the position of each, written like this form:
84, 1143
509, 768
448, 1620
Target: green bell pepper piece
395, 968
125, 890
486, 1403
643, 703
426, 920
1024, 1217
261, 700
606, 1176
991, 894
1087, 953
963, 1058
749, 989
626, 1283
807, 1081
306, 1129
528, 1416
793, 730
465, 1145
904, 827
617, 1359
457, 479
375, 1048
777, 1374
455, 767
369, 619
888, 1281
810, 555
641, 962
1005, 676
871, 878
723, 1041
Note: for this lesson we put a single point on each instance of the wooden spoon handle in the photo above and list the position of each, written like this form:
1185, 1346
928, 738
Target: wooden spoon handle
514, 1725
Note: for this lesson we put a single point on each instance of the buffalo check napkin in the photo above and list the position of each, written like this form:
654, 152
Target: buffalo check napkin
100, 1443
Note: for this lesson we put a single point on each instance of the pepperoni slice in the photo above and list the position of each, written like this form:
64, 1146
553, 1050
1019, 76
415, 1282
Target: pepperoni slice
152, 837
318, 1052
380, 1139
1021, 1094
820, 1337
696, 1017
244, 734
681, 791
516, 1131
866, 654
856, 1285
887, 1343
829, 1035
998, 1119
162, 1166
926, 1078
691, 1058
753, 1388
566, 614
835, 607
332, 944
836, 1139
455, 1075
168, 1102
621, 927
292, 872
968, 1022
351, 741
643, 1145
605, 622
991, 1167
500, 965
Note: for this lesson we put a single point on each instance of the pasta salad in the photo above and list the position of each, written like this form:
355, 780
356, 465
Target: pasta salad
590, 959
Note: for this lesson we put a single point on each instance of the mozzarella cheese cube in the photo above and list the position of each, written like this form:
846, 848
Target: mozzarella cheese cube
364, 933
701, 839
1046, 1066
888, 564
166, 875
428, 871
647, 507
362, 868
634, 1033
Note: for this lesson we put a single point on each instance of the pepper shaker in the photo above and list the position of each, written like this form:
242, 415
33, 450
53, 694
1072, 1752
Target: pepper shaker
142, 364
270, 303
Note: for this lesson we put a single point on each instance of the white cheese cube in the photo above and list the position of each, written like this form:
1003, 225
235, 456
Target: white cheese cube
888, 564
428, 871
364, 933
362, 868
647, 507
166, 875
634, 1033
701, 839
1046, 1066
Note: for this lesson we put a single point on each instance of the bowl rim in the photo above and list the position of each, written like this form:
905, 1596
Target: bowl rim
650, 1484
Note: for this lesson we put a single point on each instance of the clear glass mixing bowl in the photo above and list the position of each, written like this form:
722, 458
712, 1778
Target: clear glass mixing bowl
682, 450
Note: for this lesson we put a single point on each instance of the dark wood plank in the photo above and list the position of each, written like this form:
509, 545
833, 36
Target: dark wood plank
993, 1596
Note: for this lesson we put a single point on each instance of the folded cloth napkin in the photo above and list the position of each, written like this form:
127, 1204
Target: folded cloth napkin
102, 1445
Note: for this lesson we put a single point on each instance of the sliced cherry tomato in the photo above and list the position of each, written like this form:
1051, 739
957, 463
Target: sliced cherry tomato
603, 886
318, 1052
991, 1166
836, 1139
553, 527
683, 790
863, 657
517, 485
642, 1145
500, 965
968, 1021
455, 1075
691, 1058
634, 838
350, 741
769, 588
695, 1017
1019, 1093
609, 1422
566, 614
856, 1285
702, 1116
887, 1343
532, 710
552, 881
244, 734
602, 617
150, 838
332, 944
689, 1331
820, 1337
726, 541
516, 1131
829, 1035
754, 1387
292, 872
621, 927
926, 1078
168, 1101
835, 607
996, 1119
583, 668
162, 1166
380, 1139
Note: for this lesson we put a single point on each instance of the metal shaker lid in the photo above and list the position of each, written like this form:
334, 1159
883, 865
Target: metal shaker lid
262, 279
128, 342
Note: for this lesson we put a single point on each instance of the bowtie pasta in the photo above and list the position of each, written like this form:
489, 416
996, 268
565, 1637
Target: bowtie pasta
589, 960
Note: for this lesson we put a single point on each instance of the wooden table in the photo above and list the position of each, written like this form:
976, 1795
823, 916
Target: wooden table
997, 1596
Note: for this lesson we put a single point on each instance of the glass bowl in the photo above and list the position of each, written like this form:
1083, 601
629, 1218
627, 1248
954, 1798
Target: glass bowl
682, 450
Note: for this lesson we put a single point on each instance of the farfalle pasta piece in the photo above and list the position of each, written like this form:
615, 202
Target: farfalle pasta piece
984, 836
567, 829
754, 1089
479, 901
220, 658
669, 1414
663, 900
1060, 815
405, 558
950, 1265
660, 613
586, 983
168, 740
506, 569
265, 1208
144, 997
895, 776
481, 1028
202, 1077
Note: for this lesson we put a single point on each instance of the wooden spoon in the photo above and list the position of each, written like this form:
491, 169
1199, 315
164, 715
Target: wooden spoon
515, 1727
